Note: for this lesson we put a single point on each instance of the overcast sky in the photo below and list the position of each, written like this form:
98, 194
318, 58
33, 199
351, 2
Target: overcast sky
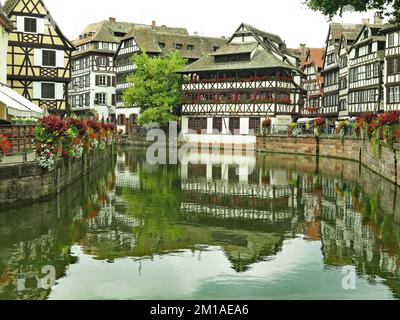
288, 18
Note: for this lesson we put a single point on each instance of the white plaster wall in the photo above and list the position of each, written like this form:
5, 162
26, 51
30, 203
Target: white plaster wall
244, 125
3, 55
219, 139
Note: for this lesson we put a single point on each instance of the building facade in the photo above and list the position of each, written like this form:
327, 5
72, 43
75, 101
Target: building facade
157, 41
391, 72
39, 55
232, 90
6, 27
366, 61
340, 36
92, 89
313, 81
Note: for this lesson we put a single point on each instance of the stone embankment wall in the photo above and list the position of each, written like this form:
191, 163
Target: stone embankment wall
384, 162
28, 182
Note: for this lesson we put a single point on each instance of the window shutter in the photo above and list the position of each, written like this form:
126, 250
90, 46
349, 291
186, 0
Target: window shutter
113, 81
96, 99
108, 81
20, 23
60, 59
40, 25
37, 53
113, 100
97, 80
37, 90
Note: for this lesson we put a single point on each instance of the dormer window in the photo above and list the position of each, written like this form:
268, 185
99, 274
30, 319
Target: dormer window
215, 48
162, 45
366, 34
190, 47
30, 25
178, 46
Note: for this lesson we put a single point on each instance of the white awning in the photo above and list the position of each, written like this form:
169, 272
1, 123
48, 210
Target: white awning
303, 120
17, 105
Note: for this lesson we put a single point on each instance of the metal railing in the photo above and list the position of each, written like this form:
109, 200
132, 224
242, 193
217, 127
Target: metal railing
21, 138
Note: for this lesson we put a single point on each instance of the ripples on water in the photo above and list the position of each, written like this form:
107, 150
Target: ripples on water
215, 230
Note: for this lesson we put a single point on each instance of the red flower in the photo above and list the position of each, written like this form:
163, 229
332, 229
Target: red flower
320, 122
5, 144
267, 123
53, 123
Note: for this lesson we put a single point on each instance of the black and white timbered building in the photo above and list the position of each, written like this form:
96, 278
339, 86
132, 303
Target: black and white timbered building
156, 40
39, 55
234, 89
92, 89
340, 36
312, 82
366, 61
392, 67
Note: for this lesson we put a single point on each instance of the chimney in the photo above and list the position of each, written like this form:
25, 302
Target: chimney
365, 21
303, 50
378, 18
112, 19
153, 24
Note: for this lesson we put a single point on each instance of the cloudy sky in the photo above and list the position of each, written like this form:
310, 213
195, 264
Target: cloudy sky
289, 18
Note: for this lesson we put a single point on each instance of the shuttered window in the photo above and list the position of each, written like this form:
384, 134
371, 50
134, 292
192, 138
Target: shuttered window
254, 125
198, 124
49, 58
30, 25
48, 90
217, 124
234, 125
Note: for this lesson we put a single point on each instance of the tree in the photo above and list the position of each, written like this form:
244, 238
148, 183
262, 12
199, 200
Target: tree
330, 8
155, 87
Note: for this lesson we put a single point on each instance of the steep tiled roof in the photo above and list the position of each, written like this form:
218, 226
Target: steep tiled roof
115, 31
350, 31
9, 6
192, 47
266, 47
261, 60
4, 21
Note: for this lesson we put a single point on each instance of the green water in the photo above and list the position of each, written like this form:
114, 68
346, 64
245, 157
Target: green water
279, 227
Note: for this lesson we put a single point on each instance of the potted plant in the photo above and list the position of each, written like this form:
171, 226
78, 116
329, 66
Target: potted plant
5, 146
266, 125
318, 124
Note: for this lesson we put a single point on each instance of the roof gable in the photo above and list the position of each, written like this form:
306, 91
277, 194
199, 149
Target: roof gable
38, 8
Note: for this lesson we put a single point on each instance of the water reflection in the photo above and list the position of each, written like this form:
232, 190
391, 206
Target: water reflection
250, 226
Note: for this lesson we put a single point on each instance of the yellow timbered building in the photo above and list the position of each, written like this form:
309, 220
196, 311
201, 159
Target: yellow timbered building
39, 55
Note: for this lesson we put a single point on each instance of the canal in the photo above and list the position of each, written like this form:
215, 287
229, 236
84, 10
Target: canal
228, 227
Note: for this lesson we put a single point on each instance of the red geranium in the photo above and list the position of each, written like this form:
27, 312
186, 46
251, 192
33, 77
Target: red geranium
5, 144
53, 123
320, 122
78, 124
389, 118
94, 125
267, 123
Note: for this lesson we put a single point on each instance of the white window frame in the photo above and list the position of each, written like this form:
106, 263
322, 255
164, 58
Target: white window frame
102, 99
102, 83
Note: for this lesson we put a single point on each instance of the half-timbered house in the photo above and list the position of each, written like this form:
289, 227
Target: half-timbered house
234, 89
156, 40
392, 67
92, 89
6, 27
39, 55
366, 60
337, 33
313, 81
